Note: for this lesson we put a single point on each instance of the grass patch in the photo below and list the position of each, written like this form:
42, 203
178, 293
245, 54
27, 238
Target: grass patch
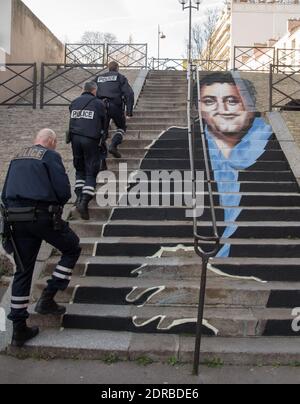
173, 361
110, 359
214, 363
144, 361
295, 364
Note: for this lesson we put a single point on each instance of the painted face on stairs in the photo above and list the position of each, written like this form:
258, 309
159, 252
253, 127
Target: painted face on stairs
224, 112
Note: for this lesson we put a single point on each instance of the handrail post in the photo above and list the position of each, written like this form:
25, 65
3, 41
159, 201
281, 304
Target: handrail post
42, 85
271, 89
34, 88
199, 328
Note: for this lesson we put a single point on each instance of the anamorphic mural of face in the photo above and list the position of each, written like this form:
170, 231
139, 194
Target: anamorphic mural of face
224, 111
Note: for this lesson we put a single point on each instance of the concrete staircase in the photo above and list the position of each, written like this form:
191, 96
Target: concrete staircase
135, 288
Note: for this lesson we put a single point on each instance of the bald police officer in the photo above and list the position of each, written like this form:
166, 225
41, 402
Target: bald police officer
115, 91
35, 190
87, 122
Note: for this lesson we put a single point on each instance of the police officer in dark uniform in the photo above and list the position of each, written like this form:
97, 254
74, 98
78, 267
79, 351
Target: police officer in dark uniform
87, 123
115, 91
35, 190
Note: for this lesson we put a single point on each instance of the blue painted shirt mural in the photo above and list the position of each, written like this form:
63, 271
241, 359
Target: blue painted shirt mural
226, 170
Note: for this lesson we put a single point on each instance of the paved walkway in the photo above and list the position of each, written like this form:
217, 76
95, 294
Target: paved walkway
14, 371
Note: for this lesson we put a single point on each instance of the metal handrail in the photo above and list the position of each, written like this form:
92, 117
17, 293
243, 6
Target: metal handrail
198, 239
215, 238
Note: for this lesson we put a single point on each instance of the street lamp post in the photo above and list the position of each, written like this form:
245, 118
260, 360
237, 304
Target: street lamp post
161, 35
188, 4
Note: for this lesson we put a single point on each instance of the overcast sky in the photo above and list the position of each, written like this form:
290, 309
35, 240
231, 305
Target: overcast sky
68, 19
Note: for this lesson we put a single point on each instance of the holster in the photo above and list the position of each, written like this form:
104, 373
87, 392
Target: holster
68, 137
56, 212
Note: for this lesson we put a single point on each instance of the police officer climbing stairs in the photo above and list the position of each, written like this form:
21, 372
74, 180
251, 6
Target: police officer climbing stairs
116, 93
87, 123
34, 194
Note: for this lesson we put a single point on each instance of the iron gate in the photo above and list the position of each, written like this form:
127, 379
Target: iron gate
288, 57
128, 55
85, 54
18, 85
285, 87
61, 84
254, 59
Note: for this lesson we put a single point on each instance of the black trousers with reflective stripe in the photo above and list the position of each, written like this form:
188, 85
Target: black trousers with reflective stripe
87, 162
28, 238
116, 114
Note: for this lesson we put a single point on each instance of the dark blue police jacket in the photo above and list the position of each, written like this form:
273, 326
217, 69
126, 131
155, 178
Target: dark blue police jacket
87, 116
36, 176
115, 87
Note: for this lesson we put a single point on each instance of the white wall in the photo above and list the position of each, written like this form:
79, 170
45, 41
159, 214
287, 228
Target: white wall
5, 31
5, 24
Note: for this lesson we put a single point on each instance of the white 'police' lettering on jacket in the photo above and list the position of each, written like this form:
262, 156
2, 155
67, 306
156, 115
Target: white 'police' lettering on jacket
82, 114
103, 79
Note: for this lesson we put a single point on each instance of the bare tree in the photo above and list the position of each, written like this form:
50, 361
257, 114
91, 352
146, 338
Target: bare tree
97, 37
94, 41
203, 34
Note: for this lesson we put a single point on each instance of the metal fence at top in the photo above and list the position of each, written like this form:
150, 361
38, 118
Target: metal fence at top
167, 64
61, 84
182, 64
128, 55
18, 85
254, 58
284, 87
288, 57
213, 65
85, 54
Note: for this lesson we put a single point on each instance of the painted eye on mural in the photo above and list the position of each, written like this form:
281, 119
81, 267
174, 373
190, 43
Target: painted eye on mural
232, 101
209, 101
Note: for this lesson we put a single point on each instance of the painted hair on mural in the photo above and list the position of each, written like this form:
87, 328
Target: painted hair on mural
227, 78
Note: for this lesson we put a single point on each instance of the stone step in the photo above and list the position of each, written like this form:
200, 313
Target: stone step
152, 125
180, 268
221, 322
163, 291
100, 345
165, 153
143, 134
184, 229
249, 199
179, 214
183, 164
164, 105
255, 230
150, 247
289, 187
154, 120
162, 114
244, 176
164, 88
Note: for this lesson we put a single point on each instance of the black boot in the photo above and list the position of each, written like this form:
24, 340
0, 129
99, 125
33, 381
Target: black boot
22, 334
46, 305
78, 199
83, 208
114, 151
116, 141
